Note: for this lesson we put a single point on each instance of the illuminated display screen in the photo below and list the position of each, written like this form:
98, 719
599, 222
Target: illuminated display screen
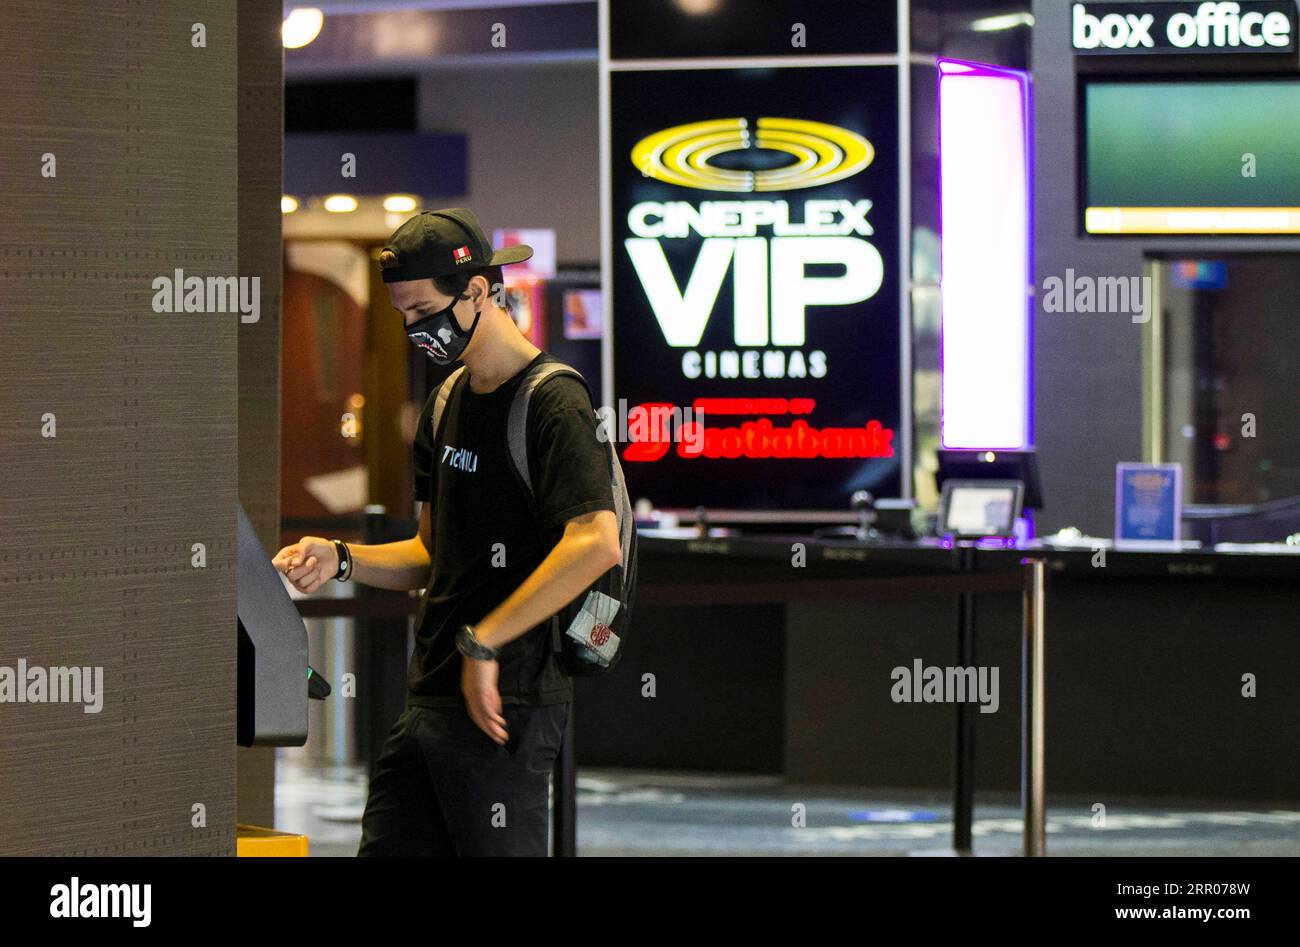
755, 279
972, 508
1192, 157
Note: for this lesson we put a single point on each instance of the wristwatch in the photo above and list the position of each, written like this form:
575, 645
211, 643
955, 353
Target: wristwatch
469, 645
345, 561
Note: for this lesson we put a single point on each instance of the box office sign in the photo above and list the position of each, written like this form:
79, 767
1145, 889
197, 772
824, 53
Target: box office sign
754, 278
1207, 27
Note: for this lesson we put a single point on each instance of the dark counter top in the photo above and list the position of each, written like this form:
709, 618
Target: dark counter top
848, 556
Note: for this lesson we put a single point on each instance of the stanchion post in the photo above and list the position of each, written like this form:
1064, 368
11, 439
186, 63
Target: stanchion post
1032, 786
963, 803
380, 646
564, 779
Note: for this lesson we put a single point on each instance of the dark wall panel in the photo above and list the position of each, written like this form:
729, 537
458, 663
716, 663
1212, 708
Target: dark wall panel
842, 726
261, 145
1144, 692
713, 700
100, 521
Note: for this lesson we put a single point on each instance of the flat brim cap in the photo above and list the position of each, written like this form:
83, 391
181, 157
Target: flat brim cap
442, 242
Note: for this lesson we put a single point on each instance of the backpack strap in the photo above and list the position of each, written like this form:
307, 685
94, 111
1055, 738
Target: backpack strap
517, 444
437, 419
441, 399
517, 448
517, 423
626, 515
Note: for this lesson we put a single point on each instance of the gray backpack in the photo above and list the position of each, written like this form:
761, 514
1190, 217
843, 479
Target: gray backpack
589, 632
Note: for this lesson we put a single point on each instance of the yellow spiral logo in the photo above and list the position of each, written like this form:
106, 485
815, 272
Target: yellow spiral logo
683, 154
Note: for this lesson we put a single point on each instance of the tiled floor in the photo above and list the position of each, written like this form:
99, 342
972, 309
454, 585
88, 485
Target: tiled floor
643, 813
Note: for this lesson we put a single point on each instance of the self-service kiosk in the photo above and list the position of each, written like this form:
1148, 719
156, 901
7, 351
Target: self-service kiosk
275, 681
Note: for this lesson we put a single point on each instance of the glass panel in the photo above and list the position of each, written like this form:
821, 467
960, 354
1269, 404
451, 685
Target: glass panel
926, 311
1230, 345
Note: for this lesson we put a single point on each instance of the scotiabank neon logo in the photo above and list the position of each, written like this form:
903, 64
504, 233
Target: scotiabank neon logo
758, 439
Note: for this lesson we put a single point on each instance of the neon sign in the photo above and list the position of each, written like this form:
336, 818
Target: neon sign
753, 439
772, 288
754, 276
684, 154
1166, 27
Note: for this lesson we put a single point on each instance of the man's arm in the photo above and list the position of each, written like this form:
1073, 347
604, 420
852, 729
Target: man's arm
588, 548
401, 566
571, 477
313, 561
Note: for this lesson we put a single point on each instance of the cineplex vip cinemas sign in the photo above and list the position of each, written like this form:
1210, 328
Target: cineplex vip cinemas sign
1208, 27
755, 281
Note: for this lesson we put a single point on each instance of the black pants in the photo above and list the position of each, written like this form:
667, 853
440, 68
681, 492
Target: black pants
443, 787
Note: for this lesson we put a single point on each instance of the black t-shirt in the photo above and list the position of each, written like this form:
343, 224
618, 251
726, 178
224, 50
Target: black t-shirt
486, 538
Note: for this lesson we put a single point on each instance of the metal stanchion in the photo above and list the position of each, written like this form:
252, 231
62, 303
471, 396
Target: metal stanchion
963, 803
363, 639
1032, 791
564, 800
380, 649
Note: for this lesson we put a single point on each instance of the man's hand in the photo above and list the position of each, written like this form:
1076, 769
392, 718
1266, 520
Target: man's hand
309, 563
478, 682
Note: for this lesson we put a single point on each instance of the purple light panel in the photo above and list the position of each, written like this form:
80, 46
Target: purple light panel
984, 182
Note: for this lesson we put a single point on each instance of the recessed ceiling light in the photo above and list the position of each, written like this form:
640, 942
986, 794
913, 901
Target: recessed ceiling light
1009, 21
340, 203
399, 203
301, 26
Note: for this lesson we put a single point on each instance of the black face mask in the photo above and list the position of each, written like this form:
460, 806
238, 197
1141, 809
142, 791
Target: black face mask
440, 335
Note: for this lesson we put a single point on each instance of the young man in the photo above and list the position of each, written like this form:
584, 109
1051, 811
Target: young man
465, 769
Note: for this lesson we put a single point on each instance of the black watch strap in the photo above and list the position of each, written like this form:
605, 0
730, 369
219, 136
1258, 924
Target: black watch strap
469, 645
345, 561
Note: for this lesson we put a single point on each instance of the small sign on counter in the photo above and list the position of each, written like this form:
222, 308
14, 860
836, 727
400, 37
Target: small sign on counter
1148, 504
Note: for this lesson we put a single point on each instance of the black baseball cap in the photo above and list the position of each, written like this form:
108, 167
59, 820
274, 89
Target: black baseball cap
439, 243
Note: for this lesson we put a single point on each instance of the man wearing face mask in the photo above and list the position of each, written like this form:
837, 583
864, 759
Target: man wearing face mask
465, 769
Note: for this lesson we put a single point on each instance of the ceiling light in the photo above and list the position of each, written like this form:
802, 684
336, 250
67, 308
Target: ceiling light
301, 26
340, 203
399, 203
1009, 21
